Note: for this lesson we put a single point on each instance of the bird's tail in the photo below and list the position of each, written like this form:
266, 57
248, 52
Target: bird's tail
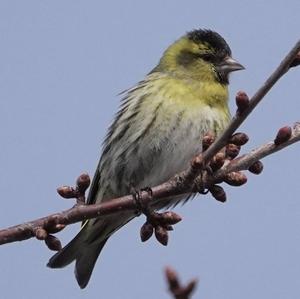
86, 247
86, 261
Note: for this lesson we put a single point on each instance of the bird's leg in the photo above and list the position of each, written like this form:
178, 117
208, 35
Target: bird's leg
142, 208
137, 198
154, 218
145, 208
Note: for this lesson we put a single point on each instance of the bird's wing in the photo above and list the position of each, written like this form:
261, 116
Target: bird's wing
91, 199
128, 100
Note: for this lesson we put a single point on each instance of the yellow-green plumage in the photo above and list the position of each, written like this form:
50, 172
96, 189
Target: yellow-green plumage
155, 134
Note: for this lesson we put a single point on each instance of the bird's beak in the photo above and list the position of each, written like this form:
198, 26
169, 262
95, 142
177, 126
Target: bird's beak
230, 65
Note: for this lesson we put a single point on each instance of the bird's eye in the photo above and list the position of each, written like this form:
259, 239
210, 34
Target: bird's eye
208, 57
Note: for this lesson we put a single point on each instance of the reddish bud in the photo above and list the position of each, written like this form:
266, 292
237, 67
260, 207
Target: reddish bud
40, 233
235, 179
170, 217
242, 101
55, 228
169, 227
296, 61
239, 139
232, 150
161, 235
189, 288
66, 192
207, 141
83, 182
218, 193
256, 168
217, 161
197, 162
283, 135
172, 278
146, 231
53, 243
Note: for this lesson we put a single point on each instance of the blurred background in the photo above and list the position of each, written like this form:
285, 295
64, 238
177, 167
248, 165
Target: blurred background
62, 64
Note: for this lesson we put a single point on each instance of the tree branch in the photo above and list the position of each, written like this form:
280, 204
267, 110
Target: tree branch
175, 186
243, 162
175, 287
246, 106
195, 178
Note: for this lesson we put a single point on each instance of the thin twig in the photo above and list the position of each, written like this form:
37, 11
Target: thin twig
243, 162
177, 290
180, 184
173, 187
239, 118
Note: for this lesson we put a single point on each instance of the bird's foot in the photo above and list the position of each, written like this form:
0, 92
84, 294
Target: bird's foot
141, 207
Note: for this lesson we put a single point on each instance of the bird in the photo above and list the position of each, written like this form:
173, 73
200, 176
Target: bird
155, 133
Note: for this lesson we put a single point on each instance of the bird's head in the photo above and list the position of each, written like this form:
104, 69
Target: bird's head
201, 55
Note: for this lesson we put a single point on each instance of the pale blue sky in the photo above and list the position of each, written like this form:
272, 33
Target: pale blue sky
62, 64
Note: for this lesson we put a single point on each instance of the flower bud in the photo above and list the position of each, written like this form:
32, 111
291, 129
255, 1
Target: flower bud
172, 278
232, 150
55, 228
66, 192
40, 233
256, 168
189, 288
197, 162
83, 182
296, 61
235, 179
53, 243
170, 217
161, 235
239, 139
169, 227
242, 101
217, 161
218, 193
207, 141
146, 231
283, 135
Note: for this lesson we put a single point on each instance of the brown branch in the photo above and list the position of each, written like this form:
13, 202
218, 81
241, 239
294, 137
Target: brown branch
246, 106
183, 183
175, 186
176, 289
243, 162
